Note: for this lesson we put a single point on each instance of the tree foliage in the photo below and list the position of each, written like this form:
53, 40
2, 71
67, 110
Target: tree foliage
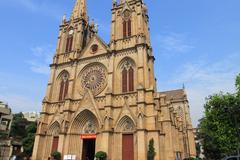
151, 150
18, 126
101, 155
28, 141
56, 155
24, 131
219, 128
237, 84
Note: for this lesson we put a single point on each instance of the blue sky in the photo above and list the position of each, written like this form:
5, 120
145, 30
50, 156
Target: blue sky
194, 42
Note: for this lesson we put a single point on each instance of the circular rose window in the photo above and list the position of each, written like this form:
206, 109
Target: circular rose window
94, 48
94, 77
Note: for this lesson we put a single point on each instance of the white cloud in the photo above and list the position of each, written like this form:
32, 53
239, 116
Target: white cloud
37, 6
42, 57
173, 43
19, 103
204, 78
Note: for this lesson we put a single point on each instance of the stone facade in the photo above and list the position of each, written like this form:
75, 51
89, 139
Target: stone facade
103, 97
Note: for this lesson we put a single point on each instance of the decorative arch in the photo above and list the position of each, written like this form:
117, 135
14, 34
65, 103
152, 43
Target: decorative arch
126, 124
63, 73
85, 122
54, 129
126, 61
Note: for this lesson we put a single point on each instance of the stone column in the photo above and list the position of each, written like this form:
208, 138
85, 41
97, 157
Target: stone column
141, 145
38, 147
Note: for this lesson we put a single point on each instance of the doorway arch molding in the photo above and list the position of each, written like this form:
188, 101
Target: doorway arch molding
83, 118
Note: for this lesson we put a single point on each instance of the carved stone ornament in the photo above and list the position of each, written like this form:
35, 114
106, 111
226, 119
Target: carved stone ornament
128, 126
94, 78
126, 15
94, 48
89, 128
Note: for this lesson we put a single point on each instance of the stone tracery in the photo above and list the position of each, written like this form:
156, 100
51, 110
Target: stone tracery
94, 78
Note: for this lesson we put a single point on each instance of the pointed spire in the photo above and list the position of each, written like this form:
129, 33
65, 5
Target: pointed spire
183, 87
80, 10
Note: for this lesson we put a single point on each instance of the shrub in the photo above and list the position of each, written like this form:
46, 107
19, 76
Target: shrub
56, 155
101, 155
151, 150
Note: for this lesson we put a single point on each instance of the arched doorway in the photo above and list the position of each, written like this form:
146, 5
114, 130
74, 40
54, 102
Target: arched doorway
127, 127
52, 139
83, 138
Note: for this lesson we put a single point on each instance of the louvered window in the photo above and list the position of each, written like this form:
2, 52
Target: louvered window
131, 79
124, 80
128, 79
124, 29
63, 88
127, 28
69, 44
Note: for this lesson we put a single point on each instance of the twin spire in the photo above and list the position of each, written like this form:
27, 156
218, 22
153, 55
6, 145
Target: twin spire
80, 10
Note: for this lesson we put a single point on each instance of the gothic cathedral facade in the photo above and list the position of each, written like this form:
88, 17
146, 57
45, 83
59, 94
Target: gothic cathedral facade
103, 97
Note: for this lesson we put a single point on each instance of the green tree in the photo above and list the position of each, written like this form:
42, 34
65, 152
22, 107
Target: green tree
151, 150
28, 141
23, 131
18, 128
56, 155
218, 129
237, 84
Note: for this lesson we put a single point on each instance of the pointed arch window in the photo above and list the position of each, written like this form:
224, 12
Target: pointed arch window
124, 80
69, 42
127, 24
124, 29
128, 79
131, 79
63, 87
127, 28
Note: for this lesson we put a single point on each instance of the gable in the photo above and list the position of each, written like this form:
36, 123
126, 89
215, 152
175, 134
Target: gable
95, 47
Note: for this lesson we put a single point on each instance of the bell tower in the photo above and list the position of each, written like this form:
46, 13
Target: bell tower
129, 19
130, 33
74, 34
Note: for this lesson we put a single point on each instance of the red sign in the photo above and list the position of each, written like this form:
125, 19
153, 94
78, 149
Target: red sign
88, 136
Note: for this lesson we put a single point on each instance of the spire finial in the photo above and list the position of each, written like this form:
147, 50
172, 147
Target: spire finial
64, 18
80, 10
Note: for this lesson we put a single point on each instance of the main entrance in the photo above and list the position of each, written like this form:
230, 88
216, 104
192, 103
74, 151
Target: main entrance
88, 151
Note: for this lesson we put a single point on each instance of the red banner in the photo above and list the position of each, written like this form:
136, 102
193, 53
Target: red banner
88, 136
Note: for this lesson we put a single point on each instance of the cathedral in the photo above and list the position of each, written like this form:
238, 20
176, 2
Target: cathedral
103, 96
